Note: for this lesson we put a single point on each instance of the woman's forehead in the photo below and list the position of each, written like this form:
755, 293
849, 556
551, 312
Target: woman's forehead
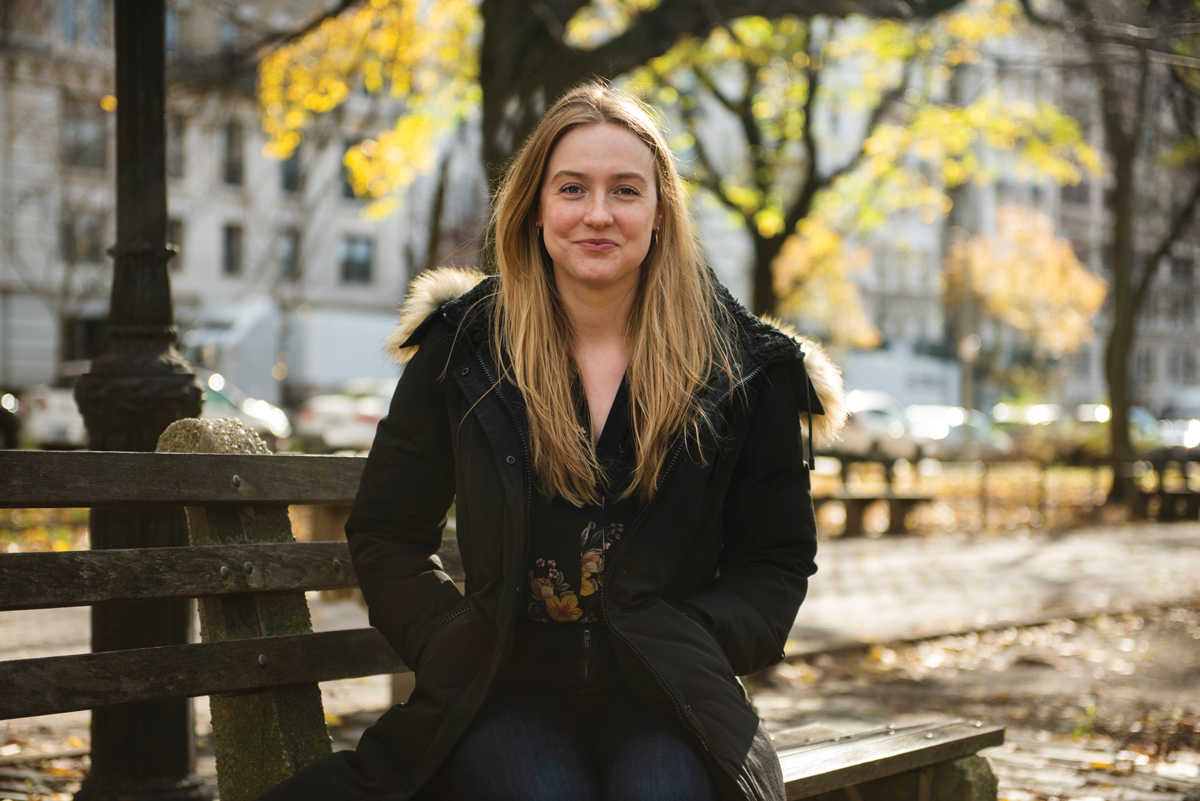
602, 150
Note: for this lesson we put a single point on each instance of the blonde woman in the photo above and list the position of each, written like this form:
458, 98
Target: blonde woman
624, 447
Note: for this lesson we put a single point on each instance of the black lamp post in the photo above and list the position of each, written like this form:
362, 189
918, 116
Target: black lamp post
134, 391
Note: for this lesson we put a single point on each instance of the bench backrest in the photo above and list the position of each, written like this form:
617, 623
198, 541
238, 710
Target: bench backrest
259, 660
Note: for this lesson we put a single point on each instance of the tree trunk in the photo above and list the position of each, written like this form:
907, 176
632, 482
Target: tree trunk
765, 251
1124, 317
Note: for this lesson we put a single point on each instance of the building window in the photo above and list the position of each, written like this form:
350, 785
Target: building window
84, 338
289, 254
355, 254
233, 163
231, 251
347, 181
1143, 367
1076, 193
171, 30
175, 240
81, 237
229, 36
1183, 367
1083, 364
1183, 268
83, 138
291, 176
176, 128
82, 22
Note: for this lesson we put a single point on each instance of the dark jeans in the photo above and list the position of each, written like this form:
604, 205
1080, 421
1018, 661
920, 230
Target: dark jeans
565, 725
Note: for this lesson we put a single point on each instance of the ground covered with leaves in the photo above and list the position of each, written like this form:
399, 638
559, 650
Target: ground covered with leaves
1105, 708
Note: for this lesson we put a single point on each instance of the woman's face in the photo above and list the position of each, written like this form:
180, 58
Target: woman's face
598, 207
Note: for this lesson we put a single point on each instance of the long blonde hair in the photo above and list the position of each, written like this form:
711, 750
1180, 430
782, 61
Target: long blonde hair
674, 337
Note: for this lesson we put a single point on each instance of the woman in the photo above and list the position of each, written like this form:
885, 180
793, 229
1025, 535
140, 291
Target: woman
622, 444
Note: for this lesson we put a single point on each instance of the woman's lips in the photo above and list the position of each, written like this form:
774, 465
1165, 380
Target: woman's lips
597, 245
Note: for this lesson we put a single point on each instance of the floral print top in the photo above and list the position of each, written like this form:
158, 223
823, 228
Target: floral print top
569, 545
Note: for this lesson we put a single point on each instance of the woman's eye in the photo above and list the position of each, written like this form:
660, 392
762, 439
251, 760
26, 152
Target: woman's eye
572, 189
627, 191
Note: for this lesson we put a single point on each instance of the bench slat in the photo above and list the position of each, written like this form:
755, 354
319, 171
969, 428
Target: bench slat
832, 764
85, 578
30, 687
73, 479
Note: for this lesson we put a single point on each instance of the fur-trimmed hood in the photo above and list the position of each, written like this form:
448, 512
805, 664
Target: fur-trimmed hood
433, 289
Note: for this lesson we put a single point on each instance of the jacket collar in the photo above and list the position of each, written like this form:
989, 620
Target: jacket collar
462, 296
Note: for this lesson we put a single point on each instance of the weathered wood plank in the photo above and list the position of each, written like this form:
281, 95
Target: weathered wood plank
832, 764
85, 578
38, 479
30, 687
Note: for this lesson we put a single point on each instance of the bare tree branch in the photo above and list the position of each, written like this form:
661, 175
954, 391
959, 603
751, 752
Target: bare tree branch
1183, 217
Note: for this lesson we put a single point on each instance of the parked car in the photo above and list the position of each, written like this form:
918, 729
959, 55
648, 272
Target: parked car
1180, 443
346, 420
222, 399
955, 434
1049, 433
53, 421
876, 430
10, 423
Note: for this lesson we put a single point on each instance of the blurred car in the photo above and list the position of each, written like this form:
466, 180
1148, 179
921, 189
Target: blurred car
1180, 442
222, 399
1088, 438
876, 430
52, 420
1048, 433
346, 420
955, 434
10, 423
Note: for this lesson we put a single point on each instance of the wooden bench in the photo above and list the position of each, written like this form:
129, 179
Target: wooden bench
1169, 506
856, 505
260, 663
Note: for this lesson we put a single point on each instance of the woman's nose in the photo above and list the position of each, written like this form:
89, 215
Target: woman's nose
598, 212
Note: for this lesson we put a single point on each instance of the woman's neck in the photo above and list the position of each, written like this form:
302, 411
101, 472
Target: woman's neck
598, 317
599, 323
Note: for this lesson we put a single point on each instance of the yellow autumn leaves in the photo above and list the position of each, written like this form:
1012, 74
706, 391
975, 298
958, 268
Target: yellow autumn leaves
422, 53
1030, 279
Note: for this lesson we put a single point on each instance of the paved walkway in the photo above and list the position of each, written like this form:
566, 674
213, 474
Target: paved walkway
903, 587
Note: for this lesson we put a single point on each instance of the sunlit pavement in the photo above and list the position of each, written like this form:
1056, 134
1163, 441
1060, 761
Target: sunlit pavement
876, 590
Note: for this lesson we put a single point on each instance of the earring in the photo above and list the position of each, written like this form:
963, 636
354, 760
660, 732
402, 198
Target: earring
655, 234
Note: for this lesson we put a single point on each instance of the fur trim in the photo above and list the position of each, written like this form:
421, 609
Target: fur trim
827, 383
432, 289
426, 294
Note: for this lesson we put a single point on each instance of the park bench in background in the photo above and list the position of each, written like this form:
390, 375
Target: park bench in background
856, 503
260, 662
1167, 505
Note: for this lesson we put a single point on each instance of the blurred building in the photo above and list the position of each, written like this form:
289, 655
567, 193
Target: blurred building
279, 279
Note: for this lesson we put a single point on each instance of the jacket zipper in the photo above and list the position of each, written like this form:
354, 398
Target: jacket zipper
448, 618
632, 529
512, 636
587, 651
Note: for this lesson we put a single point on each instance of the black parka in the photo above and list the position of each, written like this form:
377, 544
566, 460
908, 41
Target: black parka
706, 587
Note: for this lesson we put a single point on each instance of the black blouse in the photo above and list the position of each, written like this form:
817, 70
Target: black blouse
569, 545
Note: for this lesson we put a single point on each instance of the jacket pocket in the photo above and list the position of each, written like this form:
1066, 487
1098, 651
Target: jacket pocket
446, 623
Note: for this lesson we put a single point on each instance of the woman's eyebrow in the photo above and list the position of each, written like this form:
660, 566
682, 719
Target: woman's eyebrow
620, 176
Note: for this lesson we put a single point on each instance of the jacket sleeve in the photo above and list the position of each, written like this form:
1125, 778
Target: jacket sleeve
407, 486
770, 536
